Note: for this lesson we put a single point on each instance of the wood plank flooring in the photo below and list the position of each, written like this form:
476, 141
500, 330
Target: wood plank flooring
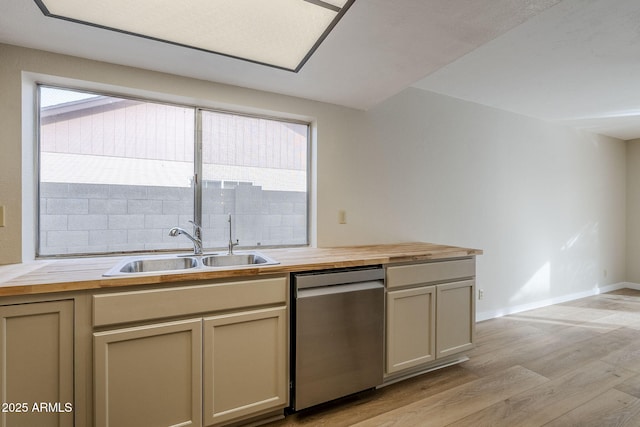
570, 364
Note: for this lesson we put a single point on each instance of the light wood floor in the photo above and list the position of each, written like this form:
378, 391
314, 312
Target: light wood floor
570, 364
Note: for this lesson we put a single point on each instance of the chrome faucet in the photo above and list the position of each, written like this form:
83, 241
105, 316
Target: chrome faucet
197, 240
231, 244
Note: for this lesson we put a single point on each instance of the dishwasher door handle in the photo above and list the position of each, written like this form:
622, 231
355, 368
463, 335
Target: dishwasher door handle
314, 280
338, 289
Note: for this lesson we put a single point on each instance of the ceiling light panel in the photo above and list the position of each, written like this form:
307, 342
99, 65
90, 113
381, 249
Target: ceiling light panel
280, 33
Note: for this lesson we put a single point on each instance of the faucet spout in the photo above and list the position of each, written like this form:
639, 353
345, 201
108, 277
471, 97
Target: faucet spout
197, 241
231, 242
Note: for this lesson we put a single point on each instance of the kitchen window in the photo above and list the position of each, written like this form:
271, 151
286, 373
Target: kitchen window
115, 174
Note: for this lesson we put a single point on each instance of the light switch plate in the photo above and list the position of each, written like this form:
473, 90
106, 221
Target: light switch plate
1, 216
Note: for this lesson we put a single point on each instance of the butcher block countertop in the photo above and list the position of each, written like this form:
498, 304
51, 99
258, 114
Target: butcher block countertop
76, 274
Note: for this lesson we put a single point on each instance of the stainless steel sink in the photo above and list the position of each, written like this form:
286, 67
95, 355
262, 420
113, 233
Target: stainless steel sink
177, 263
158, 264
226, 260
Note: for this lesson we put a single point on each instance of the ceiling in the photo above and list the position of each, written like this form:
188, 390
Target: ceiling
571, 61
577, 63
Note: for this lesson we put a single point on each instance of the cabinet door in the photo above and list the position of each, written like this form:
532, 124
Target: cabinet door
410, 333
245, 364
455, 318
149, 375
36, 364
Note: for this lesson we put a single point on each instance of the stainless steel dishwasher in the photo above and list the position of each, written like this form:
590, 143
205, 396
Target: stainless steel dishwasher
337, 330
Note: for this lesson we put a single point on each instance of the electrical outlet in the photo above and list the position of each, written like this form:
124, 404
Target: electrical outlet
342, 216
480, 293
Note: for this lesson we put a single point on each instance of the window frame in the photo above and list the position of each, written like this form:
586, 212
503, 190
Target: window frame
197, 164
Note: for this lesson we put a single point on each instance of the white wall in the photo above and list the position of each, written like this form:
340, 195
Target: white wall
633, 211
546, 203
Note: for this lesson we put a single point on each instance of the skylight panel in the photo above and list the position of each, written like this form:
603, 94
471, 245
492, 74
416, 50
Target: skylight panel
278, 33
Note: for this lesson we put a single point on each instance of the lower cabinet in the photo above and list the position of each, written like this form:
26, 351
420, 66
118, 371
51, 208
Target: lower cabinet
149, 375
245, 364
428, 322
201, 371
455, 322
36, 364
411, 328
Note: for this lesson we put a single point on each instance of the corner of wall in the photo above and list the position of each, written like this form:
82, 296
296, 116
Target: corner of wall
632, 210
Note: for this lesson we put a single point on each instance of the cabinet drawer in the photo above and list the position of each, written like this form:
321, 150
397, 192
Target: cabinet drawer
134, 306
428, 272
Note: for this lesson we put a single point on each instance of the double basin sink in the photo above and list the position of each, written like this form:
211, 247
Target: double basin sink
178, 263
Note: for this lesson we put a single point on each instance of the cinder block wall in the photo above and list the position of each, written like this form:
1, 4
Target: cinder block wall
96, 218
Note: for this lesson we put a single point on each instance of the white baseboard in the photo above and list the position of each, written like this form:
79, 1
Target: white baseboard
631, 285
486, 315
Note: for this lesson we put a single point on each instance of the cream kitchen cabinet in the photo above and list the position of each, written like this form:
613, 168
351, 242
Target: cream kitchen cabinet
455, 319
220, 358
410, 328
430, 314
245, 367
36, 364
149, 375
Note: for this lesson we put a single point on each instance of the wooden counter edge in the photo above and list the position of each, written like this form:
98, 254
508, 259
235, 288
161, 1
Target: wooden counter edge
90, 277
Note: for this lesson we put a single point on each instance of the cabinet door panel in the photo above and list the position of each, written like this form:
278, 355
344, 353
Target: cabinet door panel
410, 334
149, 375
36, 359
245, 360
455, 319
